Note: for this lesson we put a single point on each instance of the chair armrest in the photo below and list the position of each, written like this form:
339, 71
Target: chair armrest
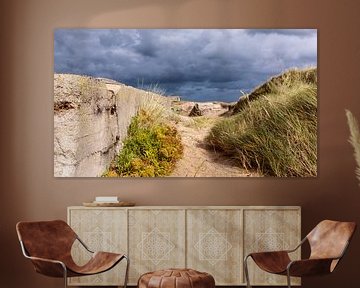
45, 260
298, 246
271, 261
309, 267
268, 253
280, 251
84, 245
48, 267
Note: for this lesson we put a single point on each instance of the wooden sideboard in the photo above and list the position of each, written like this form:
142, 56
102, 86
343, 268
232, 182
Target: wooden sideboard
212, 239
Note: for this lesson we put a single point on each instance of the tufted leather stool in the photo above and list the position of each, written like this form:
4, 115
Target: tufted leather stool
176, 278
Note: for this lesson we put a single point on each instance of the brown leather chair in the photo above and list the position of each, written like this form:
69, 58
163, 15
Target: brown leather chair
328, 242
48, 245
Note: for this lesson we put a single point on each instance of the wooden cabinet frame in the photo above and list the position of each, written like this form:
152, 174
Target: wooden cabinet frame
213, 239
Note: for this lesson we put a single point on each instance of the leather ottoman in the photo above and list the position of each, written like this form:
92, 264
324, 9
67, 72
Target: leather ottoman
176, 278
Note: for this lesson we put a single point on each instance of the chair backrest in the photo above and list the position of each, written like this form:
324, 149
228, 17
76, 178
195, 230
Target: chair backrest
329, 239
46, 239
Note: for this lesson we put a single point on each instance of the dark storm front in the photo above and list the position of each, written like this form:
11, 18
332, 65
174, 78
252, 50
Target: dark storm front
195, 64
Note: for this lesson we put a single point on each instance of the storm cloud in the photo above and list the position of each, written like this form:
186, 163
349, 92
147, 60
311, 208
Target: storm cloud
197, 64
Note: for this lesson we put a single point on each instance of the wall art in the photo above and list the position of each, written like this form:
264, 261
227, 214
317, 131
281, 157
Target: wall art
185, 103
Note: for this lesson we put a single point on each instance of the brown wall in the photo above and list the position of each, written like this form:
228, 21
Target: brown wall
29, 190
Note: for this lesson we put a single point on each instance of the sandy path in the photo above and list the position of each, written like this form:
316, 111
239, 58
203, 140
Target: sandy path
197, 160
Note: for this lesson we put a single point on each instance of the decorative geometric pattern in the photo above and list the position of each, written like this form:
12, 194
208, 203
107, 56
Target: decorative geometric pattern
156, 241
101, 230
213, 246
270, 230
215, 242
269, 241
156, 246
209, 239
99, 240
213, 212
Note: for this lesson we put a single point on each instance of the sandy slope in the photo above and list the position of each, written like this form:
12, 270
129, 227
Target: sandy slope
197, 160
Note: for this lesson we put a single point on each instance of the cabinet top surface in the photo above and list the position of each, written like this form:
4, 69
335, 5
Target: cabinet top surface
192, 207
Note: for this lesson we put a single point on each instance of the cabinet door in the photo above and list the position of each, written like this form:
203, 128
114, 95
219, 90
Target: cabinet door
156, 240
101, 230
270, 230
214, 244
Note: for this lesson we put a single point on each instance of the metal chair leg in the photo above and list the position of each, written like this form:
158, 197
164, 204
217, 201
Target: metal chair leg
65, 275
288, 278
127, 271
246, 272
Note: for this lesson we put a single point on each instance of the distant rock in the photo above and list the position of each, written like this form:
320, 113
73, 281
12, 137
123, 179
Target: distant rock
185, 108
195, 111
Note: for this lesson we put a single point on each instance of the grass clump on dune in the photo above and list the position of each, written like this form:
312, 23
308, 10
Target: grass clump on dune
151, 148
286, 79
276, 133
354, 140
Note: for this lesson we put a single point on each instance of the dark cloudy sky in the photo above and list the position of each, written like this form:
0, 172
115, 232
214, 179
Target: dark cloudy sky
197, 64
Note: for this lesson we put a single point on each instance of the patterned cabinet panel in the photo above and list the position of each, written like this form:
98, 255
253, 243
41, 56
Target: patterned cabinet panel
210, 239
156, 240
101, 230
214, 244
267, 230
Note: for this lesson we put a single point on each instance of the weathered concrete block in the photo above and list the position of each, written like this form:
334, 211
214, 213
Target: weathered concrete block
91, 118
85, 126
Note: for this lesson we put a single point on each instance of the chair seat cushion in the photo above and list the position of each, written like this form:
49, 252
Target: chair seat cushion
176, 278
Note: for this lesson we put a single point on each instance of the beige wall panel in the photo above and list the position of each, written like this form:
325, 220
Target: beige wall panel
156, 240
101, 230
214, 244
269, 230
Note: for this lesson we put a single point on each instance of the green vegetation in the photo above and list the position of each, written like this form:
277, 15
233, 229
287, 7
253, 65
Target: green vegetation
275, 130
151, 148
89, 87
200, 122
288, 78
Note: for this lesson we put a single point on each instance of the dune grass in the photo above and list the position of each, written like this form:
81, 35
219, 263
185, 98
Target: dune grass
152, 146
275, 133
354, 140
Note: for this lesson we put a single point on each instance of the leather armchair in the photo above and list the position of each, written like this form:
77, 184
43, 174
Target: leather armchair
48, 245
328, 242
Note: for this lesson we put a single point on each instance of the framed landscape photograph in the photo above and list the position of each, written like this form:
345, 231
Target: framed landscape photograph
185, 103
